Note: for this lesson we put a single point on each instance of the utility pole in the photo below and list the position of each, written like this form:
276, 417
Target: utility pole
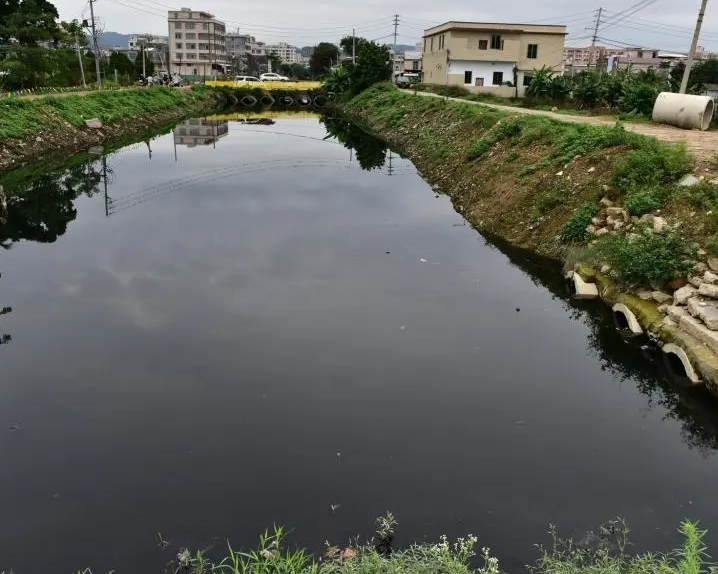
595, 37
79, 57
354, 46
94, 43
393, 58
694, 45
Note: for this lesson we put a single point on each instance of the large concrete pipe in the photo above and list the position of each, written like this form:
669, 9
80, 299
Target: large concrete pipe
683, 111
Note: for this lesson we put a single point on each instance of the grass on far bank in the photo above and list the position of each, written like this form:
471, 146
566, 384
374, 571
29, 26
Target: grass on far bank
22, 117
603, 551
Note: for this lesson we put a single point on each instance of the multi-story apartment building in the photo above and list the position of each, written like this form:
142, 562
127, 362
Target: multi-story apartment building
197, 43
286, 53
490, 58
137, 41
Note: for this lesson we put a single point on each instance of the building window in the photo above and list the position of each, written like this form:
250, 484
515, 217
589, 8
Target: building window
415, 66
441, 42
178, 25
424, 44
468, 78
532, 51
205, 26
479, 82
191, 56
496, 43
640, 54
527, 80
178, 35
178, 45
483, 44
191, 46
178, 55
190, 35
432, 43
498, 78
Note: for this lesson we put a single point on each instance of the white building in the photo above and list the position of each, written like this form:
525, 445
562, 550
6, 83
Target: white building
138, 41
197, 43
287, 54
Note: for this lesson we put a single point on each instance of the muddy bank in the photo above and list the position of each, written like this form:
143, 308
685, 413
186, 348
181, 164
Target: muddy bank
629, 215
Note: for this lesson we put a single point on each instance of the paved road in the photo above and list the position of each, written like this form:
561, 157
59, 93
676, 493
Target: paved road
703, 144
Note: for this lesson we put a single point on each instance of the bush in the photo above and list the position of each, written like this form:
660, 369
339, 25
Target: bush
654, 163
551, 200
478, 148
581, 139
575, 228
641, 201
649, 258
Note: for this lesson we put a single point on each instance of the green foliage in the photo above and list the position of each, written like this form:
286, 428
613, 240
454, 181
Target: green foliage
337, 81
121, 63
550, 200
703, 195
479, 147
373, 65
149, 67
653, 163
643, 200
325, 55
575, 228
650, 257
295, 71
580, 139
534, 167
540, 86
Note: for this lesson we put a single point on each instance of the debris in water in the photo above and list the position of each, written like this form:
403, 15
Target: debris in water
348, 553
402, 328
162, 544
15, 428
518, 309
520, 423
339, 455
335, 507
423, 260
388, 252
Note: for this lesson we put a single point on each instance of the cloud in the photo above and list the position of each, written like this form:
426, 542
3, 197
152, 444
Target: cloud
665, 24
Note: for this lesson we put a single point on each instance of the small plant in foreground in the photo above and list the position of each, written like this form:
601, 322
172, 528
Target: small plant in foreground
575, 228
478, 148
654, 163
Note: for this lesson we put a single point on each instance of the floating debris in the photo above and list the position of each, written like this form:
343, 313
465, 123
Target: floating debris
335, 507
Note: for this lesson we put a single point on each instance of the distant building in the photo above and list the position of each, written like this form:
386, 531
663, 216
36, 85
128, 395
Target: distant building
490, 58
398, 62
157, 50
577, 60
412, 62
137, 41
197, 43
286, 53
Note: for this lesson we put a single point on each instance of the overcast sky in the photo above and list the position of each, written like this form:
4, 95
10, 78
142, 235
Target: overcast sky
665, 24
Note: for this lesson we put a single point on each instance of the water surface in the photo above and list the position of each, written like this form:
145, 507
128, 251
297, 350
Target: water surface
245, 323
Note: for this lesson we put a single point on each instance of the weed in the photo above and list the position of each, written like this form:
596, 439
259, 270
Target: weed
644, 200
533, 168
550, 200
653, 163
575, 228
711, 246
580, 139
647, 258
478, 148
513, 155
703, 195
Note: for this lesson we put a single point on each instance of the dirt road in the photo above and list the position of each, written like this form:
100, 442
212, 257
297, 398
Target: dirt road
703, 144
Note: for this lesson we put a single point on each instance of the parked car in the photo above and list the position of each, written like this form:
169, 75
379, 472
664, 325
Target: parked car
403, 82
272, 77
242, 79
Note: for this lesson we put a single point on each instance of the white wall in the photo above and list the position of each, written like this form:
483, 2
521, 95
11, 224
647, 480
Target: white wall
483, 70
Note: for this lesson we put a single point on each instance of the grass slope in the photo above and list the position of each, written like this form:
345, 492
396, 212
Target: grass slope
537, 182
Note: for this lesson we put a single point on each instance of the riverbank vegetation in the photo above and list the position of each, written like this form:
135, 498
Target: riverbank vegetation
628, 95
545, 185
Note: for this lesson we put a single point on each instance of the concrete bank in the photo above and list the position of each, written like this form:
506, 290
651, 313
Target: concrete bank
575, 193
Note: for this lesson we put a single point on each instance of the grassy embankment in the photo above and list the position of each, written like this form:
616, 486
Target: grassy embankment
538, 183
604, 553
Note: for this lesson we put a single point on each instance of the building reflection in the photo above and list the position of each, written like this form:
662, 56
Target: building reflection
200, 132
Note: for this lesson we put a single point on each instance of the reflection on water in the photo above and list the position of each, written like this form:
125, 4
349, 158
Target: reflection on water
200, 132
245, 312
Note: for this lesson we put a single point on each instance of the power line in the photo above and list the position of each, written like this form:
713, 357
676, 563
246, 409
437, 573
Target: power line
630, 12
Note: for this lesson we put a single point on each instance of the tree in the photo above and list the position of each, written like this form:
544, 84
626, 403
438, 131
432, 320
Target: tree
373, 65
149, 67
122, 64
275, 60
294, 71
347, 44
324, 57
28, 22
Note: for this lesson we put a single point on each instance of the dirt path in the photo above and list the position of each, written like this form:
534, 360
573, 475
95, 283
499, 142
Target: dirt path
703, 144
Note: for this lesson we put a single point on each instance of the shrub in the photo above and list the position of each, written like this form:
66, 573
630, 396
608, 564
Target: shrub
581, 139
478, 148
703, 195
575, 228
644, 200
551, 200
648, 258
654, 163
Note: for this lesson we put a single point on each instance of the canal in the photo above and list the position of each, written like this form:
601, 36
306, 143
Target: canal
242, 323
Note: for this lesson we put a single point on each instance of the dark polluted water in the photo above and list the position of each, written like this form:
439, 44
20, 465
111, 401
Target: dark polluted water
243, 323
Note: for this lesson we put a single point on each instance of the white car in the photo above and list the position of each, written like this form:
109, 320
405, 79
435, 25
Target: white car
272, 77
242, 79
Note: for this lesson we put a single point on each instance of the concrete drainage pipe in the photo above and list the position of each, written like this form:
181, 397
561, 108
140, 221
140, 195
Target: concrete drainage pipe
679, 364
625, 320
683, 111
579, 288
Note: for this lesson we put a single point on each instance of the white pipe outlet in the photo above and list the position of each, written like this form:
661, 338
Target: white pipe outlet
675, 352
683, 110
626, 320
580, 288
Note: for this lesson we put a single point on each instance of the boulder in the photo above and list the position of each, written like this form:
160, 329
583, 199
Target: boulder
701, 268
617, 212
659, 224
709, 277
713, 263
689, 181
695, 281
94, 124
708, 290
709, 315
602, 231
677, 312
644, 295
683, 294
605, 202
694, 305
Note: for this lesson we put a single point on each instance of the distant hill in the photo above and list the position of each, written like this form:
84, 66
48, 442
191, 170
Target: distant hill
112, 39
406, 47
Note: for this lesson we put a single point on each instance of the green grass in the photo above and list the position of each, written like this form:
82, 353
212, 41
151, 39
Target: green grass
644, 200
20, 118
575, 228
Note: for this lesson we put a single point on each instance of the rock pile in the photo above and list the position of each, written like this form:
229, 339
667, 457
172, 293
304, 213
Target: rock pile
616, 219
